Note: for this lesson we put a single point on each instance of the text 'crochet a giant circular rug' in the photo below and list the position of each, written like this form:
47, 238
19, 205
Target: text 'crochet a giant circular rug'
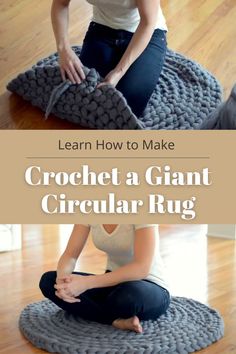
183, 99
187, 327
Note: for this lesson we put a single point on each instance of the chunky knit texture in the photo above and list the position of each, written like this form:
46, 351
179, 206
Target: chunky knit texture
188, 326
183, 99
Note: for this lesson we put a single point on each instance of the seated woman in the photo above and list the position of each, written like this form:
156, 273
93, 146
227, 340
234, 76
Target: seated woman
125, 43
132, 288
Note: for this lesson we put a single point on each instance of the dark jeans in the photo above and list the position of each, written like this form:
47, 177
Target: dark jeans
143, 298
103, 48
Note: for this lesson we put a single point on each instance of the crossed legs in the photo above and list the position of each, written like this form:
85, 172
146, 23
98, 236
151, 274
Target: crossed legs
122, 305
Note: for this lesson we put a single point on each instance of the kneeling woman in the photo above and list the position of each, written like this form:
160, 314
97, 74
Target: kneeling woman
125, 43
131, 289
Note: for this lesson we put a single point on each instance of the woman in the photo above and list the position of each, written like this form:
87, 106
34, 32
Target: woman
131, 289
125, 43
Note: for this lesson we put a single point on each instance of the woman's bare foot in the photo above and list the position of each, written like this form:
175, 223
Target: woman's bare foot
132, 324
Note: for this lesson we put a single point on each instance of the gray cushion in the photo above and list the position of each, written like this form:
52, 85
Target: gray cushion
183, 99
188, 326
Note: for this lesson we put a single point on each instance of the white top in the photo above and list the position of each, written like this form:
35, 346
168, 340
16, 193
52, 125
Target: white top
119, 247
121, 14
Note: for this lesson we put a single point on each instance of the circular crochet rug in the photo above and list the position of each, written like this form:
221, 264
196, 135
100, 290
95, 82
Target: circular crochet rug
183, 98
188, 326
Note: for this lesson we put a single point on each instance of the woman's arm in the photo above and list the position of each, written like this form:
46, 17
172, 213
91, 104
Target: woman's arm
148, 11
138, 269
67, 261
70, 64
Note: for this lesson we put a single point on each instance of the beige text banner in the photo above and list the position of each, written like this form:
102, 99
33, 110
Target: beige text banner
118, 177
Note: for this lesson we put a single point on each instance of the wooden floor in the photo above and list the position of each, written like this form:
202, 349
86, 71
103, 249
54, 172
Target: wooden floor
197, 267
203, 30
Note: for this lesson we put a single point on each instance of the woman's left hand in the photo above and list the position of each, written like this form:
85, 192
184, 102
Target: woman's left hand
112, 78
73, 285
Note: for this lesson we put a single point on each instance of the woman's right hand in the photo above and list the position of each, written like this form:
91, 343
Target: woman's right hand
70, 66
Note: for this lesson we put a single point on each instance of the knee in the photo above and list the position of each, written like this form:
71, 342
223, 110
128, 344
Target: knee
46, 283
130, 92
127, 296
136, 96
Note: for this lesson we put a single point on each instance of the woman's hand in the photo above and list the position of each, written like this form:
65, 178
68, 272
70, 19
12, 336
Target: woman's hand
60, 281
61, 292
112, 78
71, 66
73, 285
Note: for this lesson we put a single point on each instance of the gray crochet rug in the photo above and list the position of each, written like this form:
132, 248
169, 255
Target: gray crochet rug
188, 326
183, 99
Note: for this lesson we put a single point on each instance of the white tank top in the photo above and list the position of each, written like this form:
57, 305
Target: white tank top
121, 14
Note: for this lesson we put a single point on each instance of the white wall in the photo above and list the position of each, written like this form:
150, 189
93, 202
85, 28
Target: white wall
224, 231
10, 237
